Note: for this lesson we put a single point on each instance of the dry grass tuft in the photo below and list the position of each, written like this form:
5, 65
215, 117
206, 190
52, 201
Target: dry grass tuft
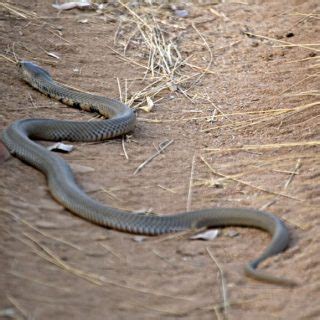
17, 11
144, 35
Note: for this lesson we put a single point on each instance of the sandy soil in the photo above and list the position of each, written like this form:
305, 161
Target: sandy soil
55, 265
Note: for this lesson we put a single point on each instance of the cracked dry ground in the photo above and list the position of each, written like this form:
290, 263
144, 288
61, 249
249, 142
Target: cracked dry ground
55, 265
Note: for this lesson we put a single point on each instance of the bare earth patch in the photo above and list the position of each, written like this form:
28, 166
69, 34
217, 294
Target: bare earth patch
240, 102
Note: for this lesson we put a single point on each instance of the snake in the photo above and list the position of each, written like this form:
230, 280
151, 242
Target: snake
119, 119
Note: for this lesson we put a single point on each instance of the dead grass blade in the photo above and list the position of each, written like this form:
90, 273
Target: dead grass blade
18, 306
162, 146
31, 226
188, 207
51, 257
98, 280
248, 183
271, 116
18, 11
225, 301
267, 146
309, 46
2, 56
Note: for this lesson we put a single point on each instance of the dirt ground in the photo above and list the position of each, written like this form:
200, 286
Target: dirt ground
260, 150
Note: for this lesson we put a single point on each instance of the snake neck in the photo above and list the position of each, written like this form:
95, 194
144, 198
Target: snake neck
106, 107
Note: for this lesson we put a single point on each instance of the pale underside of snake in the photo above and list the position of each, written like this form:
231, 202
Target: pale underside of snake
19, 136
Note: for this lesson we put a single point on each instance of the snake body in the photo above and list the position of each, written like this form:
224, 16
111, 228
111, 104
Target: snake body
19, 136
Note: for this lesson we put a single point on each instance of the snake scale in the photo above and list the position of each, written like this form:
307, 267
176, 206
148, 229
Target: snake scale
19, 136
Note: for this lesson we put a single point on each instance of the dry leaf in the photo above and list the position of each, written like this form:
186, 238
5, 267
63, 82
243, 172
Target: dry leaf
206, 235
149, 105
61, 147
72, 5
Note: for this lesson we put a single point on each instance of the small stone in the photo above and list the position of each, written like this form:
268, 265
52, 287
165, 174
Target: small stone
139, 239
7, 313
182, 13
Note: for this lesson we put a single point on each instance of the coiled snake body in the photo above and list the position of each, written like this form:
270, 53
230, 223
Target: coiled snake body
121, 119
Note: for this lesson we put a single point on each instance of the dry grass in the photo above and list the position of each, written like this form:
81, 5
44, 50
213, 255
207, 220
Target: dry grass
166, 70
145, 28
18, 11
162, 146
223, 288
315, 47
32, 227
101, 281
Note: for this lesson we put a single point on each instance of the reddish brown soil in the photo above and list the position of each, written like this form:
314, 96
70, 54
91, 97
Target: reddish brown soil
105, 274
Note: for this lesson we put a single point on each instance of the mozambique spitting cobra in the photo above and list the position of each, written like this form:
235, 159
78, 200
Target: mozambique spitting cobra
19, 136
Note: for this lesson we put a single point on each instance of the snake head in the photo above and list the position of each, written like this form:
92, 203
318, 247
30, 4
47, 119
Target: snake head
31, 72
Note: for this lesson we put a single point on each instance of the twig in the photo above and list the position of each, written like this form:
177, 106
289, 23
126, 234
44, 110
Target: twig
35, 280
162, 147
268, 146
166, 189
226, 303
248, 183
166, 260
58, 35
299, 82
125, 58
295, 171
210, 55
18, 11
190, 183
2, 56
17, 305
32, 101
119, 87
96, 279
135, 15
124, 148
109, 249
126, 91
51, 257
268, 204
111, 194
